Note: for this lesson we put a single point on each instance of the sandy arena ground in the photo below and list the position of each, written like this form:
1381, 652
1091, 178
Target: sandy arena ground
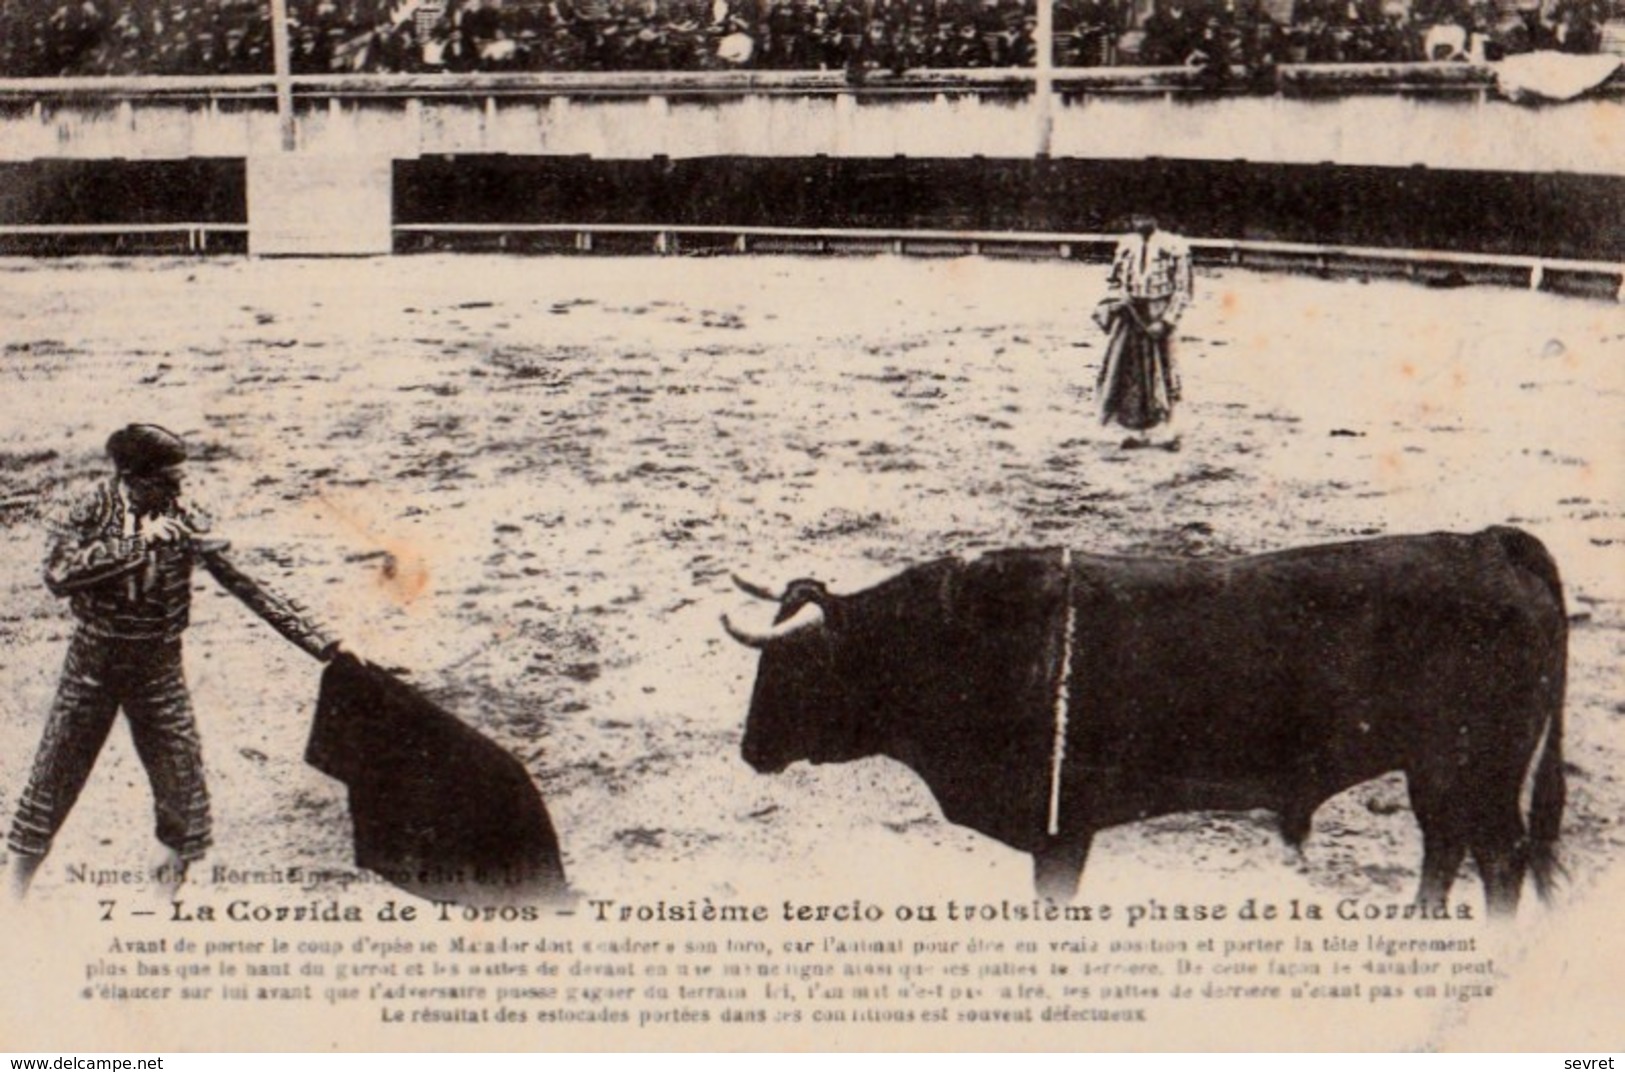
527, 480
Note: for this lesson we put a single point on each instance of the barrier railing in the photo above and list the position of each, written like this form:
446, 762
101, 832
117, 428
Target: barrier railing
1437, 267
112, 237
1292, 79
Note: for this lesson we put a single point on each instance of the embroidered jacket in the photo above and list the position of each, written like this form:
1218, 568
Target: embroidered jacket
117, 583
124, 587
1157, 268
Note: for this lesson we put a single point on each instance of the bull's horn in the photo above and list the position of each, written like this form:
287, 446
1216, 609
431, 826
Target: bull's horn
751, 589
808, 617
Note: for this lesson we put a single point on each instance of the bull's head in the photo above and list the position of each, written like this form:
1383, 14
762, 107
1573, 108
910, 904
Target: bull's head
803, 705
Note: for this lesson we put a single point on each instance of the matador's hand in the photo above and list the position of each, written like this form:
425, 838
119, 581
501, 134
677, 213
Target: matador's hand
165, 530
338, 648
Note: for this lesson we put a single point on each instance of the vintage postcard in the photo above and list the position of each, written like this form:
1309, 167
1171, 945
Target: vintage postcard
767, 568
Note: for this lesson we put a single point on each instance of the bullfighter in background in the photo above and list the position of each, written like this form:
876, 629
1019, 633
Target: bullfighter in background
1149, 289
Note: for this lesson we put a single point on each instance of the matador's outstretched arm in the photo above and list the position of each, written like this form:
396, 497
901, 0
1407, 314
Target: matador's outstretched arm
284, 615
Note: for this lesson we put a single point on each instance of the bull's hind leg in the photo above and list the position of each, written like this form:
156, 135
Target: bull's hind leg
1500, 850
1058, 869
1462, 818
1442, 853
1444, 841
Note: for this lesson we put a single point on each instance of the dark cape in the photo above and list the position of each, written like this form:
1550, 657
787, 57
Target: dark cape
439, 810
1138, 384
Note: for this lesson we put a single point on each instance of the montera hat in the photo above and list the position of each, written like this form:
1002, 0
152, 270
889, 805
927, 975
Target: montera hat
144, 449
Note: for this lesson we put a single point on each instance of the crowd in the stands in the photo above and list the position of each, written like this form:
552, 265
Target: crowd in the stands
1221, 38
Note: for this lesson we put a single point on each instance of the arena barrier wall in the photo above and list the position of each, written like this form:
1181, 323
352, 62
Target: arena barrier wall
1548, 215
1445, 116
1560, 232
1400, 157
123, 206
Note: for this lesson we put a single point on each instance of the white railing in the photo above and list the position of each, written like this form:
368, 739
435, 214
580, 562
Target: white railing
1292, 78
1423, 266
195, 234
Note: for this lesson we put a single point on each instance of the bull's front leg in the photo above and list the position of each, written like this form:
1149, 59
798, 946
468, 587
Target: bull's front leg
1058, 868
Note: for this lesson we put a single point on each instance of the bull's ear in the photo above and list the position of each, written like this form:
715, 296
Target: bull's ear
808, 617
805, 590
751, 589
799, 594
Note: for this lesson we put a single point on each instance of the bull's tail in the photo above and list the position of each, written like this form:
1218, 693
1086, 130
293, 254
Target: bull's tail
1546, 809
1550, 788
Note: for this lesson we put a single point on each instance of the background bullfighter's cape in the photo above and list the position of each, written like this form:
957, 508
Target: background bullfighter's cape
439, 810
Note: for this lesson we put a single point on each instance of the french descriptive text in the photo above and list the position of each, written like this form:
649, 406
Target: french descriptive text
788, 963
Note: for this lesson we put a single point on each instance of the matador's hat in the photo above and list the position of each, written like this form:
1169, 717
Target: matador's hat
144, 449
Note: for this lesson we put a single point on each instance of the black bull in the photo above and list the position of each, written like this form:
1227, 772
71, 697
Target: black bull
1274, 681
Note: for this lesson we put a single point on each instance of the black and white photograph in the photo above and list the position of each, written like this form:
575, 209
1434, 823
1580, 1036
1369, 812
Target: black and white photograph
812, 525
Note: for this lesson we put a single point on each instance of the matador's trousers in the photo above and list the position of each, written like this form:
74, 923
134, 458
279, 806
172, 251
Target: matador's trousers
146, 680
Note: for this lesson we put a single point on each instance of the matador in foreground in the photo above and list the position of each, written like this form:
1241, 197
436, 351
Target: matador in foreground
122, 555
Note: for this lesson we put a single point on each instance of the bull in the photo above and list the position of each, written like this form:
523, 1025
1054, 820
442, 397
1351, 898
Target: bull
1043, 695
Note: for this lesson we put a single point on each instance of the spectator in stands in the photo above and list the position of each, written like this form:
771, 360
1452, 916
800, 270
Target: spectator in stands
1086, 33
1170, 35
93, 37
1579, 25
1212, 52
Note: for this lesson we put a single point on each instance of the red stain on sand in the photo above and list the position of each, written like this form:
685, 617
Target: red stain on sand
962, 271
403, 573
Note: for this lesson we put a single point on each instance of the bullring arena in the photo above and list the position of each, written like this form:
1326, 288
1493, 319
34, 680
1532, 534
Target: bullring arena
527, 481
